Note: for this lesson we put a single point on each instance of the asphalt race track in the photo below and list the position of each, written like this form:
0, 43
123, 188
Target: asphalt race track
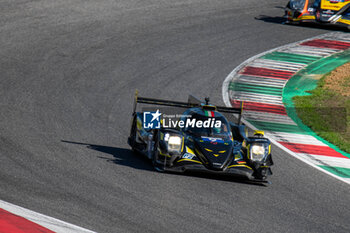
69, 70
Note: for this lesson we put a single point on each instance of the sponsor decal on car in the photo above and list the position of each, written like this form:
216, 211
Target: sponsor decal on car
211, 139
188, 156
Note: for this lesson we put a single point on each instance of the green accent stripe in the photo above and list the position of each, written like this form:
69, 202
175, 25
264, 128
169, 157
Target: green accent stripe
290, 57
256, 89
324, 66
339, 171
278, 127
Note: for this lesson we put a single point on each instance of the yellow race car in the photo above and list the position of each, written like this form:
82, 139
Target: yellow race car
322, 11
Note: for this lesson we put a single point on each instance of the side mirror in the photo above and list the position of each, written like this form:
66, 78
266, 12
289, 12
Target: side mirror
239, 132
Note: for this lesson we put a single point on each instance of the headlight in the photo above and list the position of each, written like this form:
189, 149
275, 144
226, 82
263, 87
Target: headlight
257, 152
174, 144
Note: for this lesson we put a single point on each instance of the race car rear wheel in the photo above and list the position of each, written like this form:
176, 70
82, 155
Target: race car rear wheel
133, 134
157, 164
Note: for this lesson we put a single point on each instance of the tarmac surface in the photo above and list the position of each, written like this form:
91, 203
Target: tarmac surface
69, 70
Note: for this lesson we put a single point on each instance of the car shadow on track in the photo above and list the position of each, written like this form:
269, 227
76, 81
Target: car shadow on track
126, 157
220, 177
282, 20
271, 19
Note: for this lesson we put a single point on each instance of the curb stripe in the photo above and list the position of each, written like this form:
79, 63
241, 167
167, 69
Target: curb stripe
267, 90
309, 51
263, 120
333, 44
261, 81
273, 64
282, 64
312, 149
289, 57
277, 127
259, 107
53, 224
321, 160
339, 36
296, 138
334, 162
252, 97
340, 171
268, 117
263, 72
12, 223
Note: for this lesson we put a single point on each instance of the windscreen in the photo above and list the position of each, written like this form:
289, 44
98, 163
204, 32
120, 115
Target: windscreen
297, 4
218, 126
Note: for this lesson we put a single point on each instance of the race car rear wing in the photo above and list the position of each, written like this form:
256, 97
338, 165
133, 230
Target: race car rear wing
192, 102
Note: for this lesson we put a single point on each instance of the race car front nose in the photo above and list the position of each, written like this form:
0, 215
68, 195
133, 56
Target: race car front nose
217, 156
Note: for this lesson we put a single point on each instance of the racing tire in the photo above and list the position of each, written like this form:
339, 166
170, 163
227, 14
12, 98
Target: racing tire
133, 132
155, 162
318, 15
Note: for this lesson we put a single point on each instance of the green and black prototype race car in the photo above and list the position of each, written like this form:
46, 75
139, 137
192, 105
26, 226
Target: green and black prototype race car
199, 138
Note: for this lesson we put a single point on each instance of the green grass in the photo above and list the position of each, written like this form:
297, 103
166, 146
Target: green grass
327, 114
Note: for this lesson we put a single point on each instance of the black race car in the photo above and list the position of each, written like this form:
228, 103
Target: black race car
322, 11
200, 138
